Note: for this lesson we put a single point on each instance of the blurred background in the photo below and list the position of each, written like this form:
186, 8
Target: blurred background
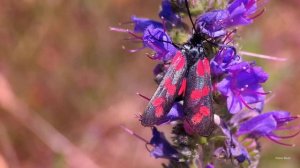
66, 84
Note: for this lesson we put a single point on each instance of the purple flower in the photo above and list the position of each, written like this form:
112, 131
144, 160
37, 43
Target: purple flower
162, 148
241, 11
153, 37
140, 24
167, 13
265, 124
225, 58
215, 23
159, 41
233, 148
242, 86
176, 113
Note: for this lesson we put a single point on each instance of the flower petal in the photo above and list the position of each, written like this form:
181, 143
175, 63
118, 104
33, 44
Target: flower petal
167, 13
159, 41
260, 125
140, 24
162, 148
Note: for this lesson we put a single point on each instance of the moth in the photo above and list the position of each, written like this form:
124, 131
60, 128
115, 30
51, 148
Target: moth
189, 70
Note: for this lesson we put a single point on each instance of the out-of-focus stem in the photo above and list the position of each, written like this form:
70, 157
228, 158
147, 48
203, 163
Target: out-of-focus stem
56, 141
8, 149
246, 53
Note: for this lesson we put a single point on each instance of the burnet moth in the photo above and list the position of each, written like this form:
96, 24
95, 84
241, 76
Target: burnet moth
190, 67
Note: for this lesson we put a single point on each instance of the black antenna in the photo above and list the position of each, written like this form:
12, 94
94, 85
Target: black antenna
164, 41
189, 13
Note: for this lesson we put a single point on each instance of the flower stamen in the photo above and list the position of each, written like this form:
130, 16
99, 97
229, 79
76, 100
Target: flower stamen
143, 96
257, 14
246, 104
278, 142
134, 134
287, 136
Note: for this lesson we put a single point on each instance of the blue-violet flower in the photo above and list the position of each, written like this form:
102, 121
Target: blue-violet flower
162, 148
160, 42
242, 86
265, 124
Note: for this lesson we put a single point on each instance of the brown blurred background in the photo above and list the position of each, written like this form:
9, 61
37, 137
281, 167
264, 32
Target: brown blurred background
66, 85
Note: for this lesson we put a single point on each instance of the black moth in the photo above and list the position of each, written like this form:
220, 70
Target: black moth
189, 68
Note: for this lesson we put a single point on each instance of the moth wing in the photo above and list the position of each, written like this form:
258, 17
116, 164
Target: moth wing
198, 98
163, 98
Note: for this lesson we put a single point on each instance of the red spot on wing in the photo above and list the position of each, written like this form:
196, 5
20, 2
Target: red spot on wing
159, 111
203, 67
178, 61
176, 57
199, 93
203, 111
180, 64
206, 65
183, 87
200, 69
171, 89
157, 103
